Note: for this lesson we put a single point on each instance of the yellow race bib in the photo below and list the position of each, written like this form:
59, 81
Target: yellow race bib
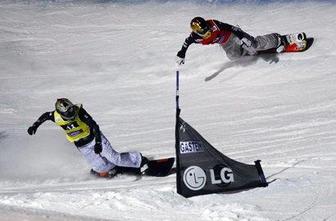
74, 129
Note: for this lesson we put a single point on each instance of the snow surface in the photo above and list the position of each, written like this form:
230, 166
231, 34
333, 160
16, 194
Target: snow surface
117, 59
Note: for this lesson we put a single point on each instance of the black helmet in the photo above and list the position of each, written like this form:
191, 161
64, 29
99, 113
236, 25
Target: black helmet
65, 108
200, 27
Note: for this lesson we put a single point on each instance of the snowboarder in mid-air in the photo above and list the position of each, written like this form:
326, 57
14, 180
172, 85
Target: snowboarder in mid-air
84, 132
237, 43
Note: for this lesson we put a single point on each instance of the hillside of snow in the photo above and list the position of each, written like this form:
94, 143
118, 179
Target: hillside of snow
118, 60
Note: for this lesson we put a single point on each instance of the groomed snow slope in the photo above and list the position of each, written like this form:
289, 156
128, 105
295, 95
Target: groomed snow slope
118, 61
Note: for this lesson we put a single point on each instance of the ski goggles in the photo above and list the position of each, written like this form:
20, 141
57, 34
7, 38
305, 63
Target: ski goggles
202, 32
70, 114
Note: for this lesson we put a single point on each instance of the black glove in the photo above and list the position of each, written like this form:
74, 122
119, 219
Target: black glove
181, 54
180, 57
98, 148
32, 130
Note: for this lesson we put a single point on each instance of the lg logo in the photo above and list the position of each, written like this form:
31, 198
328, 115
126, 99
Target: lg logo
225, 174
195, 177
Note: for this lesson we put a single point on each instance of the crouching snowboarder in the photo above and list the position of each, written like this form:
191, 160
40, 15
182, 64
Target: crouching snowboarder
84, 132
237, 43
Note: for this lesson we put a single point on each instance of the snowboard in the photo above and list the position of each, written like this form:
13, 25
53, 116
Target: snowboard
156, 167
159, 167
297, 42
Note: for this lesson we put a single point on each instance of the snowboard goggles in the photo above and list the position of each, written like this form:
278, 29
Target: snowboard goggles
70, 114
202, 32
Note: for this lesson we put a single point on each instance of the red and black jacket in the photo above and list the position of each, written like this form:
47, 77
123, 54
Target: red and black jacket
220, 34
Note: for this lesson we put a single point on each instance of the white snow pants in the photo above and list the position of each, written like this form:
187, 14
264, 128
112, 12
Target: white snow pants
108, 158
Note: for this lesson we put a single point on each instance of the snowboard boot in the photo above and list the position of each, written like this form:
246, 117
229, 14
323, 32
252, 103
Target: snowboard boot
144, 164
283, 43
144, 161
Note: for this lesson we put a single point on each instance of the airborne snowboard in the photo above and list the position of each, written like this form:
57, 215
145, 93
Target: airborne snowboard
157, 167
